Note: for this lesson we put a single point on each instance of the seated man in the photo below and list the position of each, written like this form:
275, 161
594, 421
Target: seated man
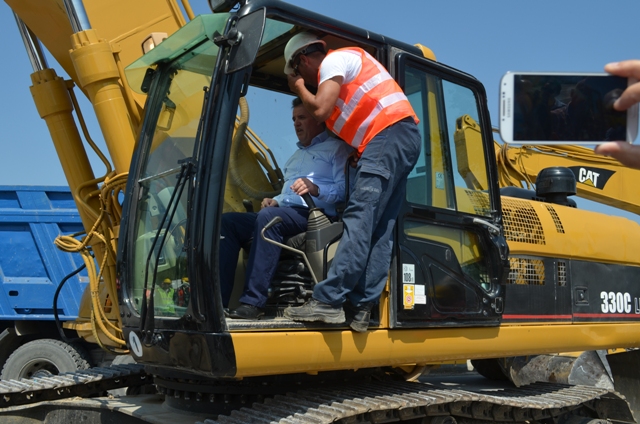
317, 167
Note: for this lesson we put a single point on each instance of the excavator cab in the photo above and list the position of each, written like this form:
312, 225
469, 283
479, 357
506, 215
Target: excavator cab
196, 159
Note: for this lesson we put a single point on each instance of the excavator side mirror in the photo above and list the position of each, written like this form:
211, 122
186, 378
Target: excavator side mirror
247, 40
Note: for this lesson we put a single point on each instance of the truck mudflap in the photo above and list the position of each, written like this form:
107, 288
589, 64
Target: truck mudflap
394, 401
81, 383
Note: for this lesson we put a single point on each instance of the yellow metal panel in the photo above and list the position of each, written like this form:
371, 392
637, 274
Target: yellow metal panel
123, 22
439, 195
128, 23
48, 20
530, 229
470, 154
312, 351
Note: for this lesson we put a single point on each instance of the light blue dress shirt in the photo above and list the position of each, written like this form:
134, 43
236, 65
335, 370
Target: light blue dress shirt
322, 162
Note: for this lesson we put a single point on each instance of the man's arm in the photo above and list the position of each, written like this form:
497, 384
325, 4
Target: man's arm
321, 104
334, 192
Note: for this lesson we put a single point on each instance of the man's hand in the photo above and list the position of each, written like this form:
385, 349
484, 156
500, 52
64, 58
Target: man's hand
295, 83
269, 203
627, 154
353, 159
303, 186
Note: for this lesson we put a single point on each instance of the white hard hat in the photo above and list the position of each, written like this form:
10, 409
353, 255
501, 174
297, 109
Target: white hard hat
296, 44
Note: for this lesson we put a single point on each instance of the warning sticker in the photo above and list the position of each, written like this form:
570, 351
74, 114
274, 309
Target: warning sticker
408, 296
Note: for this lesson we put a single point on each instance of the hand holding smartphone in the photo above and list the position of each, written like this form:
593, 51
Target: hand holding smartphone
561, 108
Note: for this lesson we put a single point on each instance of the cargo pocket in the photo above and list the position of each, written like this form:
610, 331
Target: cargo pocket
369, 187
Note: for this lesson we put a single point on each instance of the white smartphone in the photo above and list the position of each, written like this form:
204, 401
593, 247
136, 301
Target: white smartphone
562, 108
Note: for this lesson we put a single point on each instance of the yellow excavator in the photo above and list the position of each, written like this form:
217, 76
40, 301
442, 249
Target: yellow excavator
475, 274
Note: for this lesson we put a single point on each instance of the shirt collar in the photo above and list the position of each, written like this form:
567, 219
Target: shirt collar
317, 139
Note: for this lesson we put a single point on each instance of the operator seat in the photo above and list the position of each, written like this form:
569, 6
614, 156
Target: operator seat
293, 281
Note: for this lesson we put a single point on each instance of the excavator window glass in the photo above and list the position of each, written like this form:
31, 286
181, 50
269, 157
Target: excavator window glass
451, 173
160, 258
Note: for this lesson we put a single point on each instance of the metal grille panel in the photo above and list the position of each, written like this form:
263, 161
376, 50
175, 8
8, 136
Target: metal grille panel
480, 202
556, 218
562, 273
526, 271
521, 222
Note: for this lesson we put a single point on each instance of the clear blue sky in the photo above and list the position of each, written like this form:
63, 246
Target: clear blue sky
482, 38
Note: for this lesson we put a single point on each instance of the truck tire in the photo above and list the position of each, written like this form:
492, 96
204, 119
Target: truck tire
489, 368
44, 357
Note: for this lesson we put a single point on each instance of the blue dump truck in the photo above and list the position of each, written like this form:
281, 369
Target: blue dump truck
31, 268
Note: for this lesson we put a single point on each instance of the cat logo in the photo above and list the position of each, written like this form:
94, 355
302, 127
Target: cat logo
588, 177
592, 177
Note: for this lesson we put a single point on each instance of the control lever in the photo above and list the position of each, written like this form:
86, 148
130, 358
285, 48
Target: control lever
274, 221
248, 206
309, 201
317, 219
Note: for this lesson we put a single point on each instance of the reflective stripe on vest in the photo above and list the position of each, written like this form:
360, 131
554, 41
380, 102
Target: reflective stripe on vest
368, 104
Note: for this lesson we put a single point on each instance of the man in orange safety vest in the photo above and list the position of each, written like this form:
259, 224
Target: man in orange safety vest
362, 104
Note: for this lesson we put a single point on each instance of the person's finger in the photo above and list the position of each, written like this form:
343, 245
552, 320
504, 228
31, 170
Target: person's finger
631, 95
628, 98
625, 68
625, 153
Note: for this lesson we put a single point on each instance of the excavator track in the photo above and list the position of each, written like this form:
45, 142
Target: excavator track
401, 401
80, 383
363, 402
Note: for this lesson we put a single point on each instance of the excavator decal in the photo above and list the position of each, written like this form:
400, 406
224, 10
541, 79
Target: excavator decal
594, 177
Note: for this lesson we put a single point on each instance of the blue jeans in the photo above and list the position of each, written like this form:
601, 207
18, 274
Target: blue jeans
361, 264
237, 229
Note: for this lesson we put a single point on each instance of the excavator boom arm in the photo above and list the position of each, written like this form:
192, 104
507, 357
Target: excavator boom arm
598, 178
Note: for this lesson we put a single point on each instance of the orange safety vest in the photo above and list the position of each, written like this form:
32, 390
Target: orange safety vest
368, 104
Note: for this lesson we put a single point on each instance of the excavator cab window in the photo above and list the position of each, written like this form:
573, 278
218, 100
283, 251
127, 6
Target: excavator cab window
162, 212
451, 173
159, 275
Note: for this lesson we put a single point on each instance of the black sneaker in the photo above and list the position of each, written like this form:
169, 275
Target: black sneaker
359, 317
316, 311
245, 311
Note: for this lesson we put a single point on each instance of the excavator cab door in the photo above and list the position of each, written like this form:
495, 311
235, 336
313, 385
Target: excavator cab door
451, 256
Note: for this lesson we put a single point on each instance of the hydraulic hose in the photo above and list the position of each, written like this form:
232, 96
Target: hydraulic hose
234, 168
55, 302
